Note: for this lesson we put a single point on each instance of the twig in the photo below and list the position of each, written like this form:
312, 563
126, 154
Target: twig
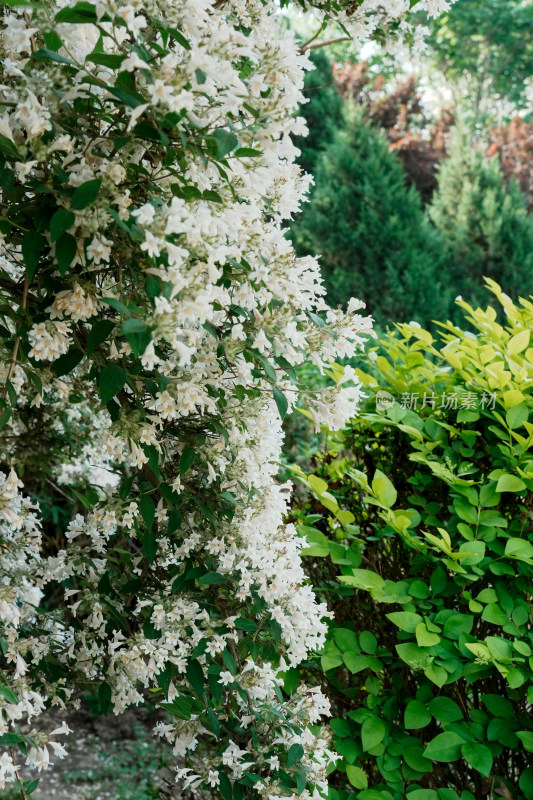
13, 363
325, 44
306, 44
21, 782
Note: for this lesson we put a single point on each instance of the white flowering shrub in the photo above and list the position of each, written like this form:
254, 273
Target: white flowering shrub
151, 316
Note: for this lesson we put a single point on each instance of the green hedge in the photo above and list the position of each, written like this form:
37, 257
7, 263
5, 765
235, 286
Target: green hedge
419, 534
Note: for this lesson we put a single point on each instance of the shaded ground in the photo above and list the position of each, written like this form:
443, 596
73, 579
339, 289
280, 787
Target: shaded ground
110, 758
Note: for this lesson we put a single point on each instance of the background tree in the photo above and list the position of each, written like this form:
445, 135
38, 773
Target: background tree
322, 113
370, 231
484, 223
487, 43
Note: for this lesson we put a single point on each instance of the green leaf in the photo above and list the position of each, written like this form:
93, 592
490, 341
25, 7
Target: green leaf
476, 552
412, 654
416, 715
105, 60
225, 142
67, 362
517, 415
247, 152
66, 249
357, 777
147, 509
479, 757
50, 55
444, 747
224, 784
9, 694
138, 335
81, 12
520, 549
526, 737
510, 483
383, 489
373, 732
85, 194
368, 642
150, 544
415, 759
180, 707
494, 614
9, 148
425, 638
195, 675
363, 579
295, 754
444, 709
9, 739
104, 697
33, 244
112, 379
99, 332
281, 402
211, 578
345, 639
186, 460
518, 342
62, 220
405, 620
30, 786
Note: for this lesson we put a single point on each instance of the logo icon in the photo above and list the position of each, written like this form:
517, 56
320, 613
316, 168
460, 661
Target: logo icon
384, 400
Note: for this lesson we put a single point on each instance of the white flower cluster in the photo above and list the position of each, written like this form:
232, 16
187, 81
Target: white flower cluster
168, 312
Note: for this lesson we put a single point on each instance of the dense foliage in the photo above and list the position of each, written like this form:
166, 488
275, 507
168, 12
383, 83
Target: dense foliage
370, 231
418, 520
486, 45
151, 314
485, 225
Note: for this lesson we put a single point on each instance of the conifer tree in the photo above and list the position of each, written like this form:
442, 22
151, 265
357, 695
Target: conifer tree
370, 230
484, 222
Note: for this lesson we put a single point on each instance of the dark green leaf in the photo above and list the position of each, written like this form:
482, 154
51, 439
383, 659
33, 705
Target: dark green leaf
33, 244
99, 332
66, 249
195, 676
147, 509
211, 578
67, 362
186, 460
85, 194
225, 142
62, 220
50, 55
112, 379
295, 754
281, 402
104, 697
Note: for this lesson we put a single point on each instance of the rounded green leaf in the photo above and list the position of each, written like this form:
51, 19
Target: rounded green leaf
445, 747
479, 757
373, 732
357, 777
416, 715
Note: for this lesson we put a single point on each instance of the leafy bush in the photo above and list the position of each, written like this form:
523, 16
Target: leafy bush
370, 231
426, 513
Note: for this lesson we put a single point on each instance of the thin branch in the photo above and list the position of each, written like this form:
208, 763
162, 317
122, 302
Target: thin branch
325, 44
13, 363
304, 47
20, 781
